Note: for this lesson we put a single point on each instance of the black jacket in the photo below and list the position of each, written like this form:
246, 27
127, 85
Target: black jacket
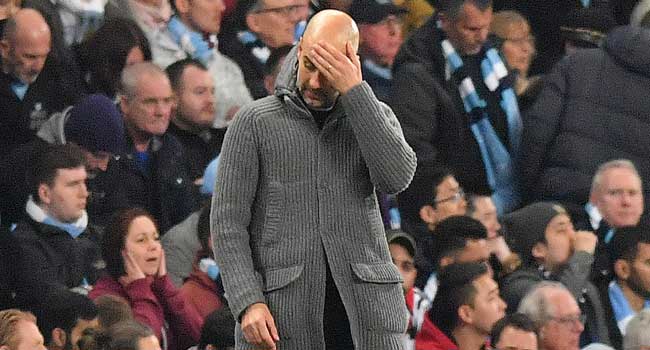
433, 118
47, 258
167, 192
593, 108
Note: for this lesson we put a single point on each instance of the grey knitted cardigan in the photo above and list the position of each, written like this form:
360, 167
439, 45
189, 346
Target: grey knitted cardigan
290, 196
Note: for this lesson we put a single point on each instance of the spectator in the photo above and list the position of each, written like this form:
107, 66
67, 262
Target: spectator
566, 136
419, 11
18, 331
32, 83
477, 136
152, 174
465, 308
615, 202
95, 125
137, 272
585, 28
7, 278
556, 315
127, 335
272, 67
543, 235
112, 310
193, 115
63, 317
442, 198
517, 45
7, 9
402, 252
514, 331
637, 336
55, 246
192, 33
116, 44
218, 331
259, 27
203, 288
481, 208
629, 292
380, 32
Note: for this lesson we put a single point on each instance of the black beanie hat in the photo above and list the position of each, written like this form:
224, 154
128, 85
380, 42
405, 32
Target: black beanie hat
527, 226
96, 124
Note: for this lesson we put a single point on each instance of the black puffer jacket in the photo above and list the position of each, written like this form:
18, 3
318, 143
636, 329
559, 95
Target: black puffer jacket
593, 108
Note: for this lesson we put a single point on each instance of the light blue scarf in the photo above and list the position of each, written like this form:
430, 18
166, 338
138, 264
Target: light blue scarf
623, 313
74, 229
193, 43
498, 162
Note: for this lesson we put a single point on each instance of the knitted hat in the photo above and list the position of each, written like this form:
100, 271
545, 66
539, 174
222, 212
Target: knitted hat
527, 226
96, 125
402, 238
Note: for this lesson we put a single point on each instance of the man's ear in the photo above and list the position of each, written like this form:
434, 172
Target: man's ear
58, 338
428, 214
252, 23
539, 251
4, 49
446, 261
622, 269
44, 194
465, 314
444, 21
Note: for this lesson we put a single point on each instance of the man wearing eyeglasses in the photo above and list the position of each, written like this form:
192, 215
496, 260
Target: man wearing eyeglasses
556, 314
259, 27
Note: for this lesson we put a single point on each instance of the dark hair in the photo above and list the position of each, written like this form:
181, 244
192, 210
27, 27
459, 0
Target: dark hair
453, 233
112, 309
175, 71
46, 163
454, 290
122, 336
452, 8
115, 238
625, 244
203, 231
277, 55
218, 330
103, 55
63, 309
471, 200
517, 321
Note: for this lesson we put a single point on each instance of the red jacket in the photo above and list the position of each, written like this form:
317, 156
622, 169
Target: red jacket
156, 302
201, 292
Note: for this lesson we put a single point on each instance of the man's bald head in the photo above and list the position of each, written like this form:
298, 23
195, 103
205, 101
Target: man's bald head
334, 27
25, 45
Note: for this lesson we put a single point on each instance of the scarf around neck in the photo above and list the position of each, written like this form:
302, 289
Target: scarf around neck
497, 159
195, 44
74, 229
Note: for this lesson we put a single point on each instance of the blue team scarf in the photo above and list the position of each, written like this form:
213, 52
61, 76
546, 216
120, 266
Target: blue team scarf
74, 229
193, 43
623, 313
499, 163
257, 48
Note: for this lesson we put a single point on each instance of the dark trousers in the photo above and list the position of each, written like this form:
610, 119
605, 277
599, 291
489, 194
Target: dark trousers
336, 325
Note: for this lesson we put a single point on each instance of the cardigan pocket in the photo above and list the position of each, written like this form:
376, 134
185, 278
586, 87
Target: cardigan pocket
379, 297
283, 299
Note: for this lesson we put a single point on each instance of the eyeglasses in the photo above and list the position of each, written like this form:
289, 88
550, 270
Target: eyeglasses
454, 198
284, 10
570, 320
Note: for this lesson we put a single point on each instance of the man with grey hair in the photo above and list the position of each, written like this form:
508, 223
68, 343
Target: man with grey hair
637, 336
557, 316
615, 201
33, 84
153, 173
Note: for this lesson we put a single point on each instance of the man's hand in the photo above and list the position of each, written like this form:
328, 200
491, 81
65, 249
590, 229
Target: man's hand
343, 71
259, 327
585, 241
499, 248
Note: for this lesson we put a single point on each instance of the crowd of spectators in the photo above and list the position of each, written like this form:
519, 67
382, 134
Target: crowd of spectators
524, 226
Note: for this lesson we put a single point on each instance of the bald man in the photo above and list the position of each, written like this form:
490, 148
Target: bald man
296, 227
32, 86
